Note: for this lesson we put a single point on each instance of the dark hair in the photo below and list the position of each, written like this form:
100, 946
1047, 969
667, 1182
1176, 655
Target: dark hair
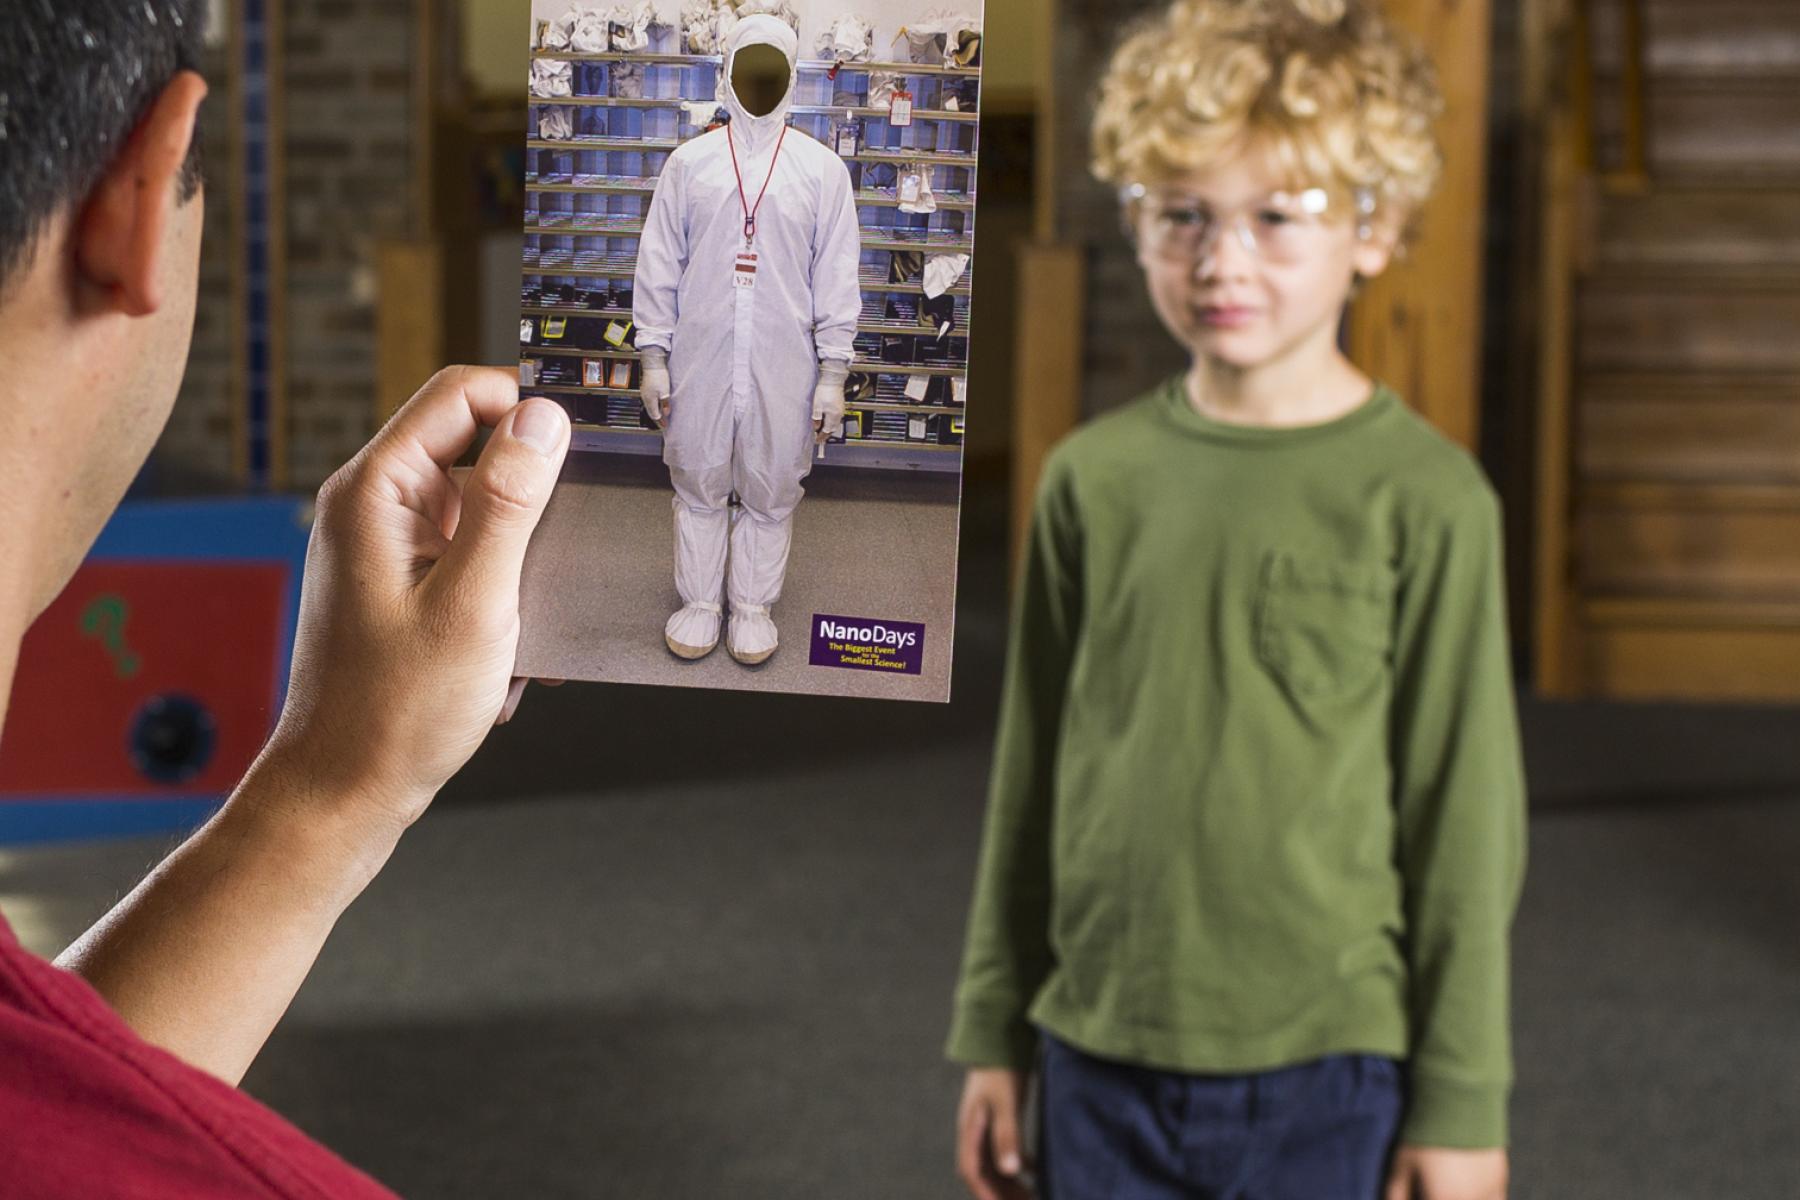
76, 77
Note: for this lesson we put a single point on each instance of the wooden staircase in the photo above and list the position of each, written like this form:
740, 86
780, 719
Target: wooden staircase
1669, 515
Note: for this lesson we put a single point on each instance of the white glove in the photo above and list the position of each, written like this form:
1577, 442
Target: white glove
655, 389
828, 399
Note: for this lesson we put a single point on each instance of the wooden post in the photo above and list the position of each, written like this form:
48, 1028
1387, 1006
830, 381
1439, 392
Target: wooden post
412, 307
1052, 282
409, 321
1049, 103
1418, 327
1052, 304
1557, 149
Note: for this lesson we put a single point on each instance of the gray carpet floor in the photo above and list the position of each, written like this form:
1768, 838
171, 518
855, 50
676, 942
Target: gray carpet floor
599, 583
607, 966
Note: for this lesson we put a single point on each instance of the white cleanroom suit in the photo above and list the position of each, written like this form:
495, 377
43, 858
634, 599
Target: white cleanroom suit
743, 383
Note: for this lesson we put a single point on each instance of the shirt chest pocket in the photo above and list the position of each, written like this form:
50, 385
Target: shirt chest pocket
1323, 626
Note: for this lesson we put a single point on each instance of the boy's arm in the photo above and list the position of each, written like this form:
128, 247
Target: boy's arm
1007, 955
1460, 794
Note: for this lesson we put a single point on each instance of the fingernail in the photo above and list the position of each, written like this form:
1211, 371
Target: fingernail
1010, 1164
539, 426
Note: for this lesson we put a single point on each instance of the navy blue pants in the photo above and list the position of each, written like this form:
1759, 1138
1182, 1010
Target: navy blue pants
1320, 1131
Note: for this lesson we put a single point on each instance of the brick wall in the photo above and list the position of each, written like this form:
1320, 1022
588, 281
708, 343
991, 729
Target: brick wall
348, 77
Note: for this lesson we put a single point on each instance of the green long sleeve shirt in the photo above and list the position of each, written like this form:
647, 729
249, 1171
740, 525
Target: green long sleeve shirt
1257, 796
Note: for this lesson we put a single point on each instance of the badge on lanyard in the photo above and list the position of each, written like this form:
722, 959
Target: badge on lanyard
745, 274
901, 113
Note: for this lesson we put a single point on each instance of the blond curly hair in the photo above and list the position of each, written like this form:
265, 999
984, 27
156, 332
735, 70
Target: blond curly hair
1330, 88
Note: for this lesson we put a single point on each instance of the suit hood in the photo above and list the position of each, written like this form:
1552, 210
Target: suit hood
760, 30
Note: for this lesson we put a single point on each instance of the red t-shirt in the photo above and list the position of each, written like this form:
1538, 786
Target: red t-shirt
88, 1110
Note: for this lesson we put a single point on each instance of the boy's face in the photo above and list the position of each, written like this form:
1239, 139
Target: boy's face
1242, 267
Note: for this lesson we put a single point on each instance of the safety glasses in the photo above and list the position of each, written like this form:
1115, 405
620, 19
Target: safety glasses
1281, 228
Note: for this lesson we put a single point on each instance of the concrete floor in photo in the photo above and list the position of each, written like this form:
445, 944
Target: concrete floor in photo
599, 582
610, 965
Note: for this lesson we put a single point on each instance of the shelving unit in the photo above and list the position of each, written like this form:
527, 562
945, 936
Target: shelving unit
864, 367
589, 192
650, 145
810, 110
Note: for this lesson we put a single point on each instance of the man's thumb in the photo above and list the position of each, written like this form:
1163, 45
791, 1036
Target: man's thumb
504, 497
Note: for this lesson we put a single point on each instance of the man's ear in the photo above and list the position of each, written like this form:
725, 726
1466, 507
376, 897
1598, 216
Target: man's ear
119, 237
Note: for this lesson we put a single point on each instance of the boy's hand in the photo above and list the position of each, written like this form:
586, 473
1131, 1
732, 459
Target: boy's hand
989, 1157
1431, 1173
409, 624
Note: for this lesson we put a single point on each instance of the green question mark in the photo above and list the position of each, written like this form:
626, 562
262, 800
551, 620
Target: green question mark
104, 620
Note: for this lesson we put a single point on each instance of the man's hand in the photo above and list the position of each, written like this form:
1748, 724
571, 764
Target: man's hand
828, 400
1429, 1173
989, 1154
409, 624
655, 389
408, 628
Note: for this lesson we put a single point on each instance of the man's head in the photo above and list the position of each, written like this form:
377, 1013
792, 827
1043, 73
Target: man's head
1269, 153
759, 75
760, 58
100, 216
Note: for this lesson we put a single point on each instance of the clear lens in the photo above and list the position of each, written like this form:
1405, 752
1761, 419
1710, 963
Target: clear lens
1283, 228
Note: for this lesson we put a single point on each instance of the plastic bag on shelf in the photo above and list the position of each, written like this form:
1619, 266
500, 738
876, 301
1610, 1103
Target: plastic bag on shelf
919, 42
725, 20
555, 124
554, 34
882, 86
939, 312
593, 31
962, 37
915, 191
552, 79
699, 18
849, 39
847, 136
941, 39
631, 26
775, 8
942, 272
628, 81
700, 113
962, 46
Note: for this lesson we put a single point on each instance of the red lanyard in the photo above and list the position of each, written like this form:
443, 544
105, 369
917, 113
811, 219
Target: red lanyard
750, 213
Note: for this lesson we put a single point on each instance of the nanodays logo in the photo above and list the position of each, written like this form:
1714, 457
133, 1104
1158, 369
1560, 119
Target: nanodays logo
868, 635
